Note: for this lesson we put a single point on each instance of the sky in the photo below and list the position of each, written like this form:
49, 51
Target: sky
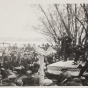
16, 20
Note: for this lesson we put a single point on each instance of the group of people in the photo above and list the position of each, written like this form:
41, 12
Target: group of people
19, 70
68, 48
65, 79
80, 53
21, 66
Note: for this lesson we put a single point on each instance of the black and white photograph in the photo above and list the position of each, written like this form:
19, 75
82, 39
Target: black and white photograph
43, 44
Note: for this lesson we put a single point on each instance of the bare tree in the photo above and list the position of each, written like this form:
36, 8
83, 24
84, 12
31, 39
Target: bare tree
73, 18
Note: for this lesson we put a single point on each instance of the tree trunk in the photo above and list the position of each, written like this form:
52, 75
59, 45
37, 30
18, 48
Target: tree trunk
75, 36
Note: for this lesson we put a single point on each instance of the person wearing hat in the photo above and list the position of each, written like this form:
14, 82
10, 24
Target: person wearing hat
35, 67
29, 79
79, 51
24, 61
5, 62
66, 41
3, 73
32, 75
63, 77
83, 68
20, 79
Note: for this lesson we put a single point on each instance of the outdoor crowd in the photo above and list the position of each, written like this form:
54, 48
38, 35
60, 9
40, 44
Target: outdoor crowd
20, 66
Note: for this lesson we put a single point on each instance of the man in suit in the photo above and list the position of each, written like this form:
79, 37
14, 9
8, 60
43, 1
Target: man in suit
83, 68
66, 41
63, 77
79, 51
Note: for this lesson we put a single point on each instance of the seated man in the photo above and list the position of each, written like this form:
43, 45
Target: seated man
3, 73
29, 79
83, 68
32, 76
8, 79
63, 77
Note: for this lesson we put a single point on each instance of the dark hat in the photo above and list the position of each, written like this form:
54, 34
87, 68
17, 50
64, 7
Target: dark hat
64, 69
